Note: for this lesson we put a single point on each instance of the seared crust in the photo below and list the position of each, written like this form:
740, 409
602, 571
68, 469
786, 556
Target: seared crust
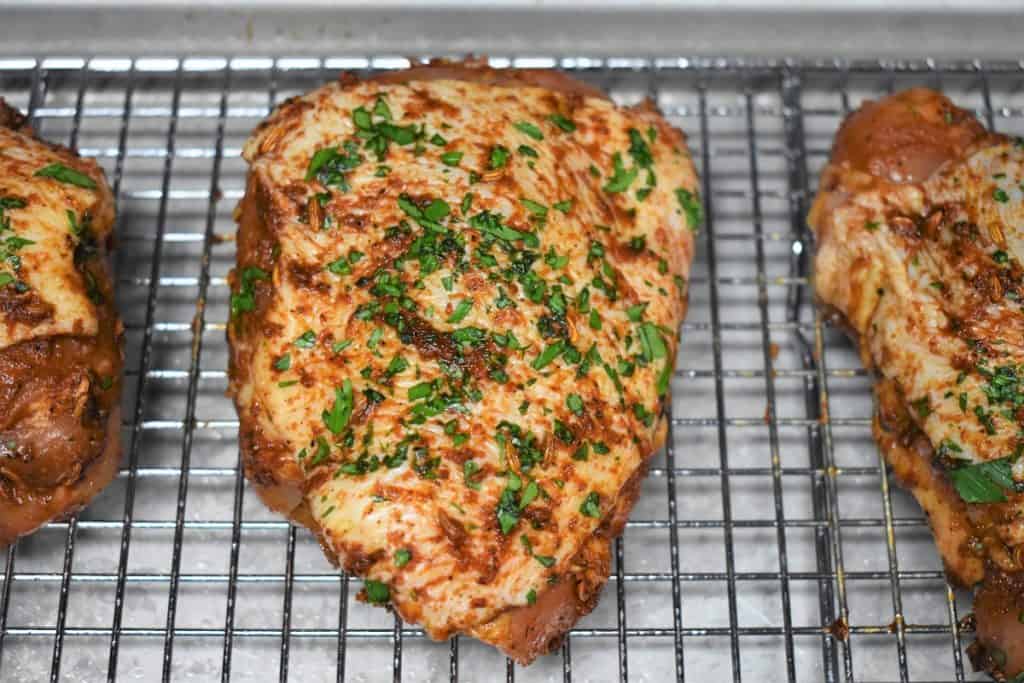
60, 338
919, 256
511, 600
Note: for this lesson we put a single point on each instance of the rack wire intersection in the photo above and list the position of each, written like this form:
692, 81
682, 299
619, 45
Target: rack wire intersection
769, 542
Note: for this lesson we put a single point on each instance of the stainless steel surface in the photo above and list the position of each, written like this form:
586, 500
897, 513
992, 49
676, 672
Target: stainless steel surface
765, 525
753, 28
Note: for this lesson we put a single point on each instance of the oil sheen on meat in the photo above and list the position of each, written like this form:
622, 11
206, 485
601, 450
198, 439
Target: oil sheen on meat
60, 338
920, 246
454, 321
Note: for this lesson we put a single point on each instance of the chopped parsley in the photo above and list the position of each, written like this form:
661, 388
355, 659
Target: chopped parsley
574, 403
999, 194
565, 124
551, 352
499, 157
922, 406
528, 151
621, 178
380, 134
639, 150
306, 340
397, 365
402, 557
565, 206
529, 129
469, 471
451, 158
545, 560
329, 165
244, 300
421, 390
284, 362
376, 592
7, 203
690, 204
461, 311
68, 176
508, 505
535, 208
591, 506
984, 482
338, 416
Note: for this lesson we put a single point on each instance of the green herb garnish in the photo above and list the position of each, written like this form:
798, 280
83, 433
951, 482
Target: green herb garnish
69, 176
591, 506
984, 482
338, 416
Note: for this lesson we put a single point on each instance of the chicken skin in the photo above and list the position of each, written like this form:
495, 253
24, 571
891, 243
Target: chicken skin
454, 324
60, 337
919, 225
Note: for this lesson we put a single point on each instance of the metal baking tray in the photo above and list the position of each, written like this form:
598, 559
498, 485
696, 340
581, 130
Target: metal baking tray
769, 542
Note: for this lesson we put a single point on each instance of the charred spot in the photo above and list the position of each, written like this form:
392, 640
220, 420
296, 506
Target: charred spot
356, 221
931, 224
966, 230
305, 276
359, 562
988, 286
538, 516
434, 344
552, 326
425, 102
11, 117
907, 226
452, 529
296, 193
489, 570
25, 307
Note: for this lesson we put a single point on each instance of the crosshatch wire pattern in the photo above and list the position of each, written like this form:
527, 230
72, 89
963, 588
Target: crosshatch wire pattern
768, 543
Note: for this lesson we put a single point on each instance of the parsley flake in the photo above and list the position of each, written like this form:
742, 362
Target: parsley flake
451, 158
68, 176
565, 124
402, 557
338, 416
591, 506
376, 592
690, 204
529, 129
461, 311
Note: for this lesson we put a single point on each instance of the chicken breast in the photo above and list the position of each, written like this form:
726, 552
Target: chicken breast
453, 327
919, 224
60, 338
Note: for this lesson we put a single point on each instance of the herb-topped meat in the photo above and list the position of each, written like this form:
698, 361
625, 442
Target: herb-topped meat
454, 322
60, 338
920, 245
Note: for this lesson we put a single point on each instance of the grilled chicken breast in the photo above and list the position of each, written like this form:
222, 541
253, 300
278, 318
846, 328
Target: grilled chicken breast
60, 338
919, 224
453, 326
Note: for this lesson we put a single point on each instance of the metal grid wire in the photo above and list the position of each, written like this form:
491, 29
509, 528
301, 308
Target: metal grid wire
769, 542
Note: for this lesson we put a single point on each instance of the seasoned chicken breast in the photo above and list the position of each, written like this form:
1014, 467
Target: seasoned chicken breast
919, 224
60, 338
454, 321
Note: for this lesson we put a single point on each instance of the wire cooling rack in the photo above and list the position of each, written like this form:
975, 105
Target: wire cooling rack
769, 544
